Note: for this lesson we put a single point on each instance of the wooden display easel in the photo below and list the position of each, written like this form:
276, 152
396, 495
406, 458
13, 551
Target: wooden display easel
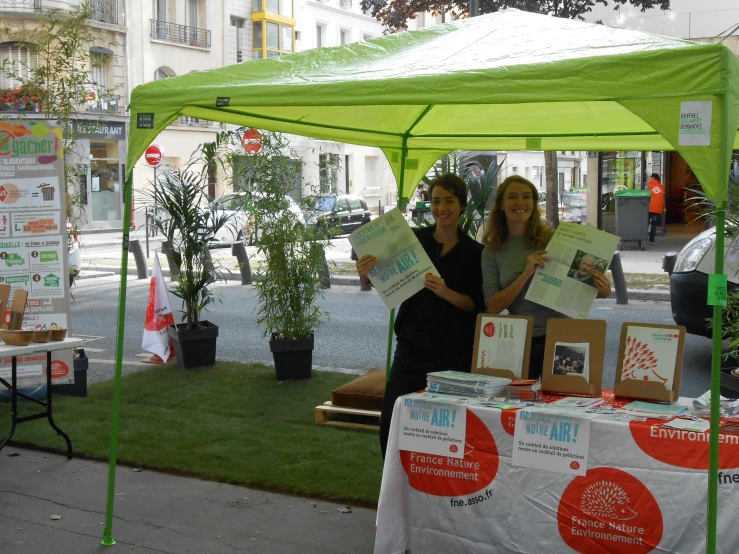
649, 390
484, 319
590, 331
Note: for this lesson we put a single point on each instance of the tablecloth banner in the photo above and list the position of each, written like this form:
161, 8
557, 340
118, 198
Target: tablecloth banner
645, 491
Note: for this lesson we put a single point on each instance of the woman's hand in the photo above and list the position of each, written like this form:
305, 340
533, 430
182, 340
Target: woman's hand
364, 266
537, 259
602, 283
437, 286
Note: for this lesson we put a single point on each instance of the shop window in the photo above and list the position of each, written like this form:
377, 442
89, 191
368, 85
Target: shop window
329, 165
105, 181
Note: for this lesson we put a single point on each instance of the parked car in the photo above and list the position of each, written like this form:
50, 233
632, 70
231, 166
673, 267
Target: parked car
343, 212
689, 282
241, 227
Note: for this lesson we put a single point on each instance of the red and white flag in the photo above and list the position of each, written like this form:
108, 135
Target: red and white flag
158, 316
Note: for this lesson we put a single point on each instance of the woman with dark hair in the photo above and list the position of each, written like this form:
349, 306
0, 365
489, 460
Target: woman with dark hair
435, 327
515, 245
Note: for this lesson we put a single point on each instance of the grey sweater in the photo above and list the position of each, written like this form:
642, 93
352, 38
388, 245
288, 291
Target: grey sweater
500, 268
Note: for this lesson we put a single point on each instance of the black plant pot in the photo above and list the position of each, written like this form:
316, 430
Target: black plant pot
79, 387
194, 347
293, 358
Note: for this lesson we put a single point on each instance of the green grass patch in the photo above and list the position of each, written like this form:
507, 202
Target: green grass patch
232, 423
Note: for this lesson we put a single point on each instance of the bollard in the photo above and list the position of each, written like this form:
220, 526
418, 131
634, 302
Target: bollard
174, 269
134, 246
619, 282
668, 262
325, 274
239, 250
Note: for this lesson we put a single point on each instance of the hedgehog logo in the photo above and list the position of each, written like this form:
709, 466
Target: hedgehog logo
607, 500
609, 510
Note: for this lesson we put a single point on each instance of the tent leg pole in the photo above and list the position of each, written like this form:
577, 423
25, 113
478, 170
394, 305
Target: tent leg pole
715, 394
116, 408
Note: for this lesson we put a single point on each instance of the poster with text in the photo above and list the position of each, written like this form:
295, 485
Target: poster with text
502, 344
402, 263
432, 426
566, 283
650, 354
33, 244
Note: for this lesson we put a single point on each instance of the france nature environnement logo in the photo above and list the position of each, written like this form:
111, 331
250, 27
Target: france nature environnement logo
609, 511
446, 476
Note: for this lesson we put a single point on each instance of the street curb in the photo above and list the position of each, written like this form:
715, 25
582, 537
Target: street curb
107, 271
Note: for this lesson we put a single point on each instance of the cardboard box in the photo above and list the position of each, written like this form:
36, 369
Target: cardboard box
13, 315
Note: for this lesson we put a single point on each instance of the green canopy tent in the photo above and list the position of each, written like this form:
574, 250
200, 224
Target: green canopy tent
508, 81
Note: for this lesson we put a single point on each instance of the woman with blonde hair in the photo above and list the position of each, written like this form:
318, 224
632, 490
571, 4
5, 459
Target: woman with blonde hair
515, 246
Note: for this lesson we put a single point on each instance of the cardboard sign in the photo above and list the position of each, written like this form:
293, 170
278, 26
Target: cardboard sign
13, 316
573, 356
650, 361
502, 345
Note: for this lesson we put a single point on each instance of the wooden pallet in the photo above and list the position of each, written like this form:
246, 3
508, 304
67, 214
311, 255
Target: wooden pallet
327, 408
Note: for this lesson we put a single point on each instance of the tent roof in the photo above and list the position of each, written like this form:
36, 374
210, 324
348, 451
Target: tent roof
510, 80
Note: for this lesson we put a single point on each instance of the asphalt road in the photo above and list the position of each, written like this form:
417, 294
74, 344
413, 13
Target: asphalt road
353, 339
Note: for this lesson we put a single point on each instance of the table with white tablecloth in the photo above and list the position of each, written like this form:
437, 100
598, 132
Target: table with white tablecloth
645, 490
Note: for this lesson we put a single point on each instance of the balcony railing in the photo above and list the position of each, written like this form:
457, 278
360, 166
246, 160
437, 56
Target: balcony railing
187, 121
346, 4
15, 4
180, 34
110, 104
104, 10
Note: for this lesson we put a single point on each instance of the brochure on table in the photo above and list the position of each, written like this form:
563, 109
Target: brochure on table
402, 263
502, 345
573, 356
33, 242
565, 283
650, 360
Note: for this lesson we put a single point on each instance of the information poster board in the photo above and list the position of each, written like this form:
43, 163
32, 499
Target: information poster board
33, 240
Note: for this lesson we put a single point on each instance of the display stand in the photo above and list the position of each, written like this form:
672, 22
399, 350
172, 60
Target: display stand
575, 331
13, 352
640, 388
494, 335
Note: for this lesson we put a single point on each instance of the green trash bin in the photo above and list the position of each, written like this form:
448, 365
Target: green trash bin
632, 216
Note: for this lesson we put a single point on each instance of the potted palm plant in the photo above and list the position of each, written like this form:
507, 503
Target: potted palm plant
189, 229
293, 257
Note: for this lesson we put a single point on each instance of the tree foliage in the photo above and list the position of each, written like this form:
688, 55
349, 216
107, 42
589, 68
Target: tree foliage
394, 14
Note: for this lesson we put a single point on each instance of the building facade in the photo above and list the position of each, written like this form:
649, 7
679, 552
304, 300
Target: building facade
100, 123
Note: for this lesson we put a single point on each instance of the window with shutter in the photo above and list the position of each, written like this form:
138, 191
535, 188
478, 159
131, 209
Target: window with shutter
20, 61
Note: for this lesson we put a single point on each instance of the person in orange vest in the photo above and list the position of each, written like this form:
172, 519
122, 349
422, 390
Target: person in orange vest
656, 204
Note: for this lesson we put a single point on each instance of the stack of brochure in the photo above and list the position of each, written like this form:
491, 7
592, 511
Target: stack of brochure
576, 402
525, 389
702, 405
465, 384
729, 426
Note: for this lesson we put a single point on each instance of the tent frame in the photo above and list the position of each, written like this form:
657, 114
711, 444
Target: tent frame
654, 126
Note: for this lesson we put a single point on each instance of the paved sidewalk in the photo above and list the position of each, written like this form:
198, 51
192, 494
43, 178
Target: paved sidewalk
161, 513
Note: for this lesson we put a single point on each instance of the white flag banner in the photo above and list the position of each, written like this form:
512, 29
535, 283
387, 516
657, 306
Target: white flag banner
158, 316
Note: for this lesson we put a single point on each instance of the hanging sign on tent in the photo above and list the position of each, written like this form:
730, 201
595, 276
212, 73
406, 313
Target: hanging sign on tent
252, 140
695, 123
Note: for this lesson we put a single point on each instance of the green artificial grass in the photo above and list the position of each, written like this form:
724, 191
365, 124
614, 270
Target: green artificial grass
233, 423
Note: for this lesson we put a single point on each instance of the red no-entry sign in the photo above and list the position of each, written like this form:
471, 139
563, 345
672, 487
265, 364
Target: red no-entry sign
252, 140
153, 155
